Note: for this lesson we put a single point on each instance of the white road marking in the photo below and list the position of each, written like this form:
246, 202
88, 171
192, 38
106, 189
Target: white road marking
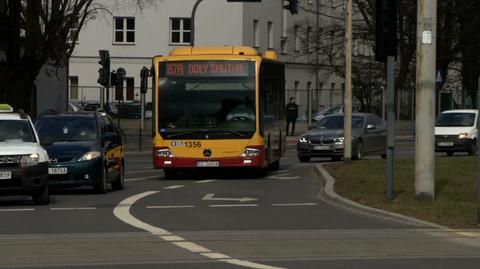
234, 205
72, 208
280, 171
209, 197
284, 177
190, 246
141, 178
17, 209
169, 206
171, 238
295, 204
122, 212
173, 187
205, 181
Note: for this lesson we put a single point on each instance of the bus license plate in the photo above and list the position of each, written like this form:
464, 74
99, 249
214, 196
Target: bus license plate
5, 175
57, 171
208, 164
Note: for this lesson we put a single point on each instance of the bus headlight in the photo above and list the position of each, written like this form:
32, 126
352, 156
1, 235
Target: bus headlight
29, 160
163, 153
251, 152
463, 136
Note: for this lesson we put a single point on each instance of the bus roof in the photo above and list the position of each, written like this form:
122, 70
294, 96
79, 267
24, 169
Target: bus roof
226, 50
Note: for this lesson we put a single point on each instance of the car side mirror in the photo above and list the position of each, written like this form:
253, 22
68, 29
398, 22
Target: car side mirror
111, 138
371, 127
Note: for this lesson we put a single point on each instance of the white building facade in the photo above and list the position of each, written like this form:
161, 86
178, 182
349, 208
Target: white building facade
133, 36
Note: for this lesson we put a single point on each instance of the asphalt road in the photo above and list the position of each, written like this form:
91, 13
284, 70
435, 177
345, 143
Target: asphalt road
226, 219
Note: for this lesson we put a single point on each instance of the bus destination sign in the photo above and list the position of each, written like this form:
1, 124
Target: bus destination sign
205, 69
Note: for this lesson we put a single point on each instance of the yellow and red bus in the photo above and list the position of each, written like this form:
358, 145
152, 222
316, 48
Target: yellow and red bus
218, 107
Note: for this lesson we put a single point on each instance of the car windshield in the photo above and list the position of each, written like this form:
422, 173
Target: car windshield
336, 122
16, 131
64, 129
457, 119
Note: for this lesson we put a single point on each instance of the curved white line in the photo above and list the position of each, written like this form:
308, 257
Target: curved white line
122, 212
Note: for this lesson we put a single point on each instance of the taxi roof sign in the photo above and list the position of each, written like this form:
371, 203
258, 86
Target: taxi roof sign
6, 108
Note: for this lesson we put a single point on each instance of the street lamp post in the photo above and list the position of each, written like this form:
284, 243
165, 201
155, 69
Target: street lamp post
192, 22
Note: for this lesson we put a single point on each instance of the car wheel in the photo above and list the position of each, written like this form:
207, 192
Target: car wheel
170, 173
119, 184
304, 159
41, 197
473, 148
358, 151
336, 158
449, 153
101, 186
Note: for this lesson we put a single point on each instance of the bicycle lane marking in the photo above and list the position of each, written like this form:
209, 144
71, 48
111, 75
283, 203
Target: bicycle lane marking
122, 212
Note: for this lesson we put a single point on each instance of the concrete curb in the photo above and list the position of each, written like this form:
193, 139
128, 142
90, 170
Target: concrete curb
332, 197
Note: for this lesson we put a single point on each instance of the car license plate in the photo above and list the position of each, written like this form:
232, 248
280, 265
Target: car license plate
321, 147
57, 171
208, 164
445, 144
5, 175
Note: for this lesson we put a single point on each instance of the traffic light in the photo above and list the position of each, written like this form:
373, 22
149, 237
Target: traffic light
144, 74
104, 71
386, 29
292, 6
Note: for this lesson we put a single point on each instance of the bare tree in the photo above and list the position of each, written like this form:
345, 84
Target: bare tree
39, 33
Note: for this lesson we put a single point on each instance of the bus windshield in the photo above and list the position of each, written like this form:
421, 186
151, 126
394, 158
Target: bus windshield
206, 99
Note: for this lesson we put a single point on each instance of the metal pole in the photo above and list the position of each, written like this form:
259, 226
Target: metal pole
142, 119
478, 152
309, 105
425, 107
347, 97
390, 123
192, 22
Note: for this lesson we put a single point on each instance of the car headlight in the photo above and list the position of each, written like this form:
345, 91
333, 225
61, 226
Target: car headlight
251, 152
303, 140
29, 160
463, 136
339, 140
164, 153
89, 156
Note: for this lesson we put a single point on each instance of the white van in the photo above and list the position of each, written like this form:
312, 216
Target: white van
456, 131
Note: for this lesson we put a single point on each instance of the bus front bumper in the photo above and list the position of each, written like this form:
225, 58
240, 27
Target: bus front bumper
180, 162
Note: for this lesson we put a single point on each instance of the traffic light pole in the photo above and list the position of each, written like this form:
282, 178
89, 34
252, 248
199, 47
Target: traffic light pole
390, 124
425, 96
347, 97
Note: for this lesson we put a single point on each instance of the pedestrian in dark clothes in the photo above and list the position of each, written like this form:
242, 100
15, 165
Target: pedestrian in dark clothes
292, 114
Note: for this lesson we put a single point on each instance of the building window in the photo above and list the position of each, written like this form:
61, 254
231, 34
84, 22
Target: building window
73, 80
308, 39
270, 35
283, 46
130, 89
71, 35
124, 30
180, 31
256, 34
296, 38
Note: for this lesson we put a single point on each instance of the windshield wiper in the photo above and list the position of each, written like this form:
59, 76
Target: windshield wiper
232, 132
186, 133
